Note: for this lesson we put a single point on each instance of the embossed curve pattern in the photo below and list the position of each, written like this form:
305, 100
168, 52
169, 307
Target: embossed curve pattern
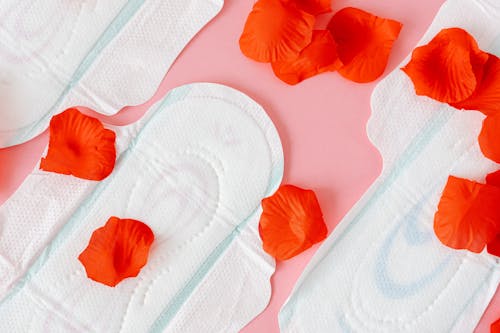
383, 269
194, 169
99, 54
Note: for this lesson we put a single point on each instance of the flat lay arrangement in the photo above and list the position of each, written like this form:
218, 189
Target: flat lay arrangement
181, 166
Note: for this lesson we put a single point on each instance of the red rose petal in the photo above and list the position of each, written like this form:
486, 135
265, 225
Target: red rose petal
291, 222
79, 145
486, 97
275, 31
468, 216
313, 7
318, 57
489, 139
364, 43
449, 68
117, 251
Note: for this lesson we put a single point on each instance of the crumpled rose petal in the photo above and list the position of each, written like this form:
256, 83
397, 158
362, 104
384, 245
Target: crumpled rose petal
275, 31
313, 7
291, 222
79, 145
364, 43
318, 57
117, 251
495, 327
489, 140
449, 68
468, 216
486, 97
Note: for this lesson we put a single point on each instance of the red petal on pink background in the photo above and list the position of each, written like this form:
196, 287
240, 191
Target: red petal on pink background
364, 43
495, 327
318, 57
313, 7
275, 31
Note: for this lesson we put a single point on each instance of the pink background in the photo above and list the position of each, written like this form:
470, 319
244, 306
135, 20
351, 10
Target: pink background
321, 122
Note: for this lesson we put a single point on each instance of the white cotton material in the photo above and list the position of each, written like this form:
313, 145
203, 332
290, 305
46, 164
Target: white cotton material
99, 54
383, 268
194, 169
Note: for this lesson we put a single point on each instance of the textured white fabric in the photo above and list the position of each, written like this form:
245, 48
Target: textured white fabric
100, 54
383, 269
194, 169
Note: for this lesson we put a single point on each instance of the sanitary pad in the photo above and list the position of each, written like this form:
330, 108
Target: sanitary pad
101, 54
383, 269
194, 169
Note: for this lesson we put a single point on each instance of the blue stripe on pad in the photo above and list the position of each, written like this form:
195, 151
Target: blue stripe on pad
174, 96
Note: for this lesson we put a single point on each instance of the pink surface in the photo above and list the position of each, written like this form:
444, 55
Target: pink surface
321, 122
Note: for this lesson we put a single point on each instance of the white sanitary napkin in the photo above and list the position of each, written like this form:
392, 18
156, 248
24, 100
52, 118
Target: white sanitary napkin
194, 169
383, 269
100, 54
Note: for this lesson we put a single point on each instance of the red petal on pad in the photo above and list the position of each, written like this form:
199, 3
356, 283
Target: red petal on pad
291, 222
318, 57
449, 68
364, 43
486, 97
468, 216
117, 251
489, 139
313, 7
275, 31
79, 145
